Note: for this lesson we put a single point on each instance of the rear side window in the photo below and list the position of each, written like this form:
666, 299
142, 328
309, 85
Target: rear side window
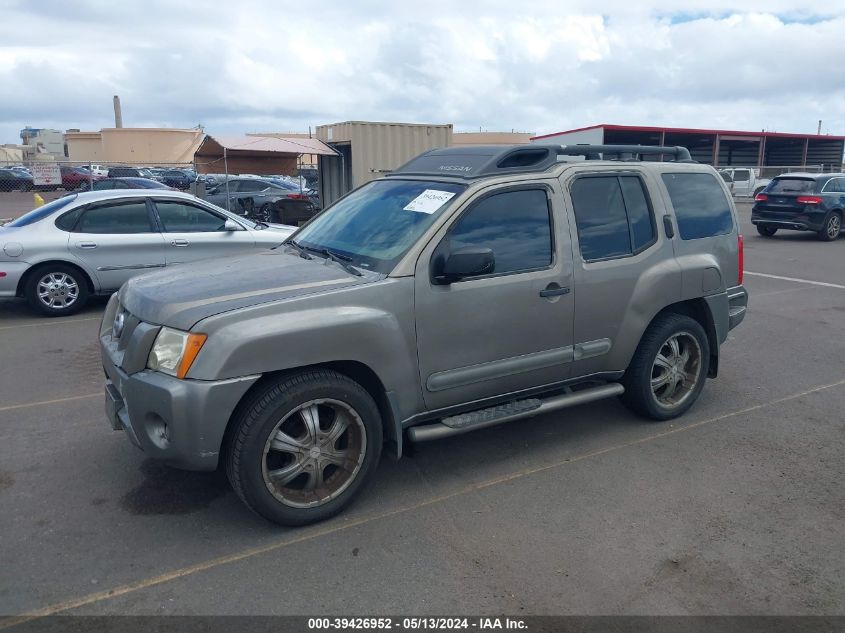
701, 207
613, 216
43, 211
741, 175
792, 185
515, 225
127, 217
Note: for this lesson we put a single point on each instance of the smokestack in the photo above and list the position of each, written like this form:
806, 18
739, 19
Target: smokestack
118, 115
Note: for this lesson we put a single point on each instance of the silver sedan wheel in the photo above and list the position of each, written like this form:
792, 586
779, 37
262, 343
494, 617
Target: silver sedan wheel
676, 370
314, 453
58, 290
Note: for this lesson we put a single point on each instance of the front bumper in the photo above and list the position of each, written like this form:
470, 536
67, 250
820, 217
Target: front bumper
9, 282
181, 422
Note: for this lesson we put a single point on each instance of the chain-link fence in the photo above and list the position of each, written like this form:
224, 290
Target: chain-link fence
25, 185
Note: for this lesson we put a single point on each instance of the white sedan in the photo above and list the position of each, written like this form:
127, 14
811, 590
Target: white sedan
83, 244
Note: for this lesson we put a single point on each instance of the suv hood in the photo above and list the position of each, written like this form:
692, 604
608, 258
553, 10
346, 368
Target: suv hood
185, 294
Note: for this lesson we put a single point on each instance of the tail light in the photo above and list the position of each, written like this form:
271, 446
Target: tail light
761, 197
741, 247
297, 196
808, 200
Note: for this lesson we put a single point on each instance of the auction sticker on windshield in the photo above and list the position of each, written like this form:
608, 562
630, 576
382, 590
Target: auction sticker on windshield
429, 201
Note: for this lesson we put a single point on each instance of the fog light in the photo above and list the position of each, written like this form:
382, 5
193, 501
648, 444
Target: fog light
158, 431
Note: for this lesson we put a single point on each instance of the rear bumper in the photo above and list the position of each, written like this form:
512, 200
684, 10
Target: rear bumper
801, 221
9, 282
737, 305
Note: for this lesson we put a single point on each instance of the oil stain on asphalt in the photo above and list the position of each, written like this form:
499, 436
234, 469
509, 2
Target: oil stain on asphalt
170, 491
7, 480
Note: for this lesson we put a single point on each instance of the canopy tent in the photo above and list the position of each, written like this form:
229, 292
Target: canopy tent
261, 155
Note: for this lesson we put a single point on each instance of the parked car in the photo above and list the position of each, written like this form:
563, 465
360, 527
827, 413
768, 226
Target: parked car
99, 170
58, 255
131, 172
105, 184
801, 202
312, 195
745, 181
74, 177
263, 200
178, 178
12, 179
426, 304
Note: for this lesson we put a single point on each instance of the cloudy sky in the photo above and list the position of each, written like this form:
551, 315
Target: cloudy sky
496, 65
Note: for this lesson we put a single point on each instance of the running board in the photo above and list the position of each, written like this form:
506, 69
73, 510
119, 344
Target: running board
466, 422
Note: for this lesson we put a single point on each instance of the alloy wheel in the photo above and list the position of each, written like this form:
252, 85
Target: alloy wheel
58, 290
314, 453
676, 370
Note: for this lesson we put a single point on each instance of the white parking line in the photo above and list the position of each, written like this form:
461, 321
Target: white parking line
45, 323
796, 280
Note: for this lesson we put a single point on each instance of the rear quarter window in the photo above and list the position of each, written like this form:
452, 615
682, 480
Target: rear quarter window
701, 206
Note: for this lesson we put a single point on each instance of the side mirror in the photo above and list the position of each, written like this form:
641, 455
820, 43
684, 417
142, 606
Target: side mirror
231, 225
469, 261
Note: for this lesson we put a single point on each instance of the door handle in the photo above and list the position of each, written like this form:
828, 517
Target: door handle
554, 291
86, 244
179, 243
667, 227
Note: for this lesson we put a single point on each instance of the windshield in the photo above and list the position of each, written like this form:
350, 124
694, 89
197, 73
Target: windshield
378, 223
43, 211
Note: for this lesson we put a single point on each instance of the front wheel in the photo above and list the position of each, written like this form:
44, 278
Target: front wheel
304, 446
766, 230
56, 289
831, 227
669, 368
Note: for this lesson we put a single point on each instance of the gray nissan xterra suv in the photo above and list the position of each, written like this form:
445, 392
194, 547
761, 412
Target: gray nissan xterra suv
470, 287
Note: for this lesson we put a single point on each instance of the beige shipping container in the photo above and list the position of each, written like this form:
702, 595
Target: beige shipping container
370, 150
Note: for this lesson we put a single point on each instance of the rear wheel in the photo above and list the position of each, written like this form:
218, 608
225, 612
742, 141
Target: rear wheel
265, 213
56, 289
302, 448
669, 368
831, 227
766, 230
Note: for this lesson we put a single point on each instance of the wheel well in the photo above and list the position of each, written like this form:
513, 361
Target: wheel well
357, 371
21, 289
697, 309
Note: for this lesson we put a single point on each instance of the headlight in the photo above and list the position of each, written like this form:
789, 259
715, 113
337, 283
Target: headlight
174, 351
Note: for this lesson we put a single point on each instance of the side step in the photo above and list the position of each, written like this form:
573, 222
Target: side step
466, 422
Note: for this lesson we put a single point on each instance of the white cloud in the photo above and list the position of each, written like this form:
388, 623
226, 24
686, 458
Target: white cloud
494, 64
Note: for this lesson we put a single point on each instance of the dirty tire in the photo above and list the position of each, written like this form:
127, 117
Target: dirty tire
260, 422
766, 230
66, 288
831, 227
640, 395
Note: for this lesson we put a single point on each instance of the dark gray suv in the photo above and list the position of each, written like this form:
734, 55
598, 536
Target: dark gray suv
470, 287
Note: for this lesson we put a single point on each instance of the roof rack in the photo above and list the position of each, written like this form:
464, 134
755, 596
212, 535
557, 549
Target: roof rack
487, 160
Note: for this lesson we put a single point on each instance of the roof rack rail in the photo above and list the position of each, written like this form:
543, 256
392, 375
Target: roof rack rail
477, 161
624, 152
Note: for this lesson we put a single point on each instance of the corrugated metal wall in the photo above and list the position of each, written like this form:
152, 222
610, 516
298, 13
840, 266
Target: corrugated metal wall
376, 149
827, 153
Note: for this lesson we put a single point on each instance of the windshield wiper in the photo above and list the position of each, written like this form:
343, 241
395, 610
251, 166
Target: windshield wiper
343, 260
303, 252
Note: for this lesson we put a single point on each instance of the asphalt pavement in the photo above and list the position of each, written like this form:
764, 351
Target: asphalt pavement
736, 508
